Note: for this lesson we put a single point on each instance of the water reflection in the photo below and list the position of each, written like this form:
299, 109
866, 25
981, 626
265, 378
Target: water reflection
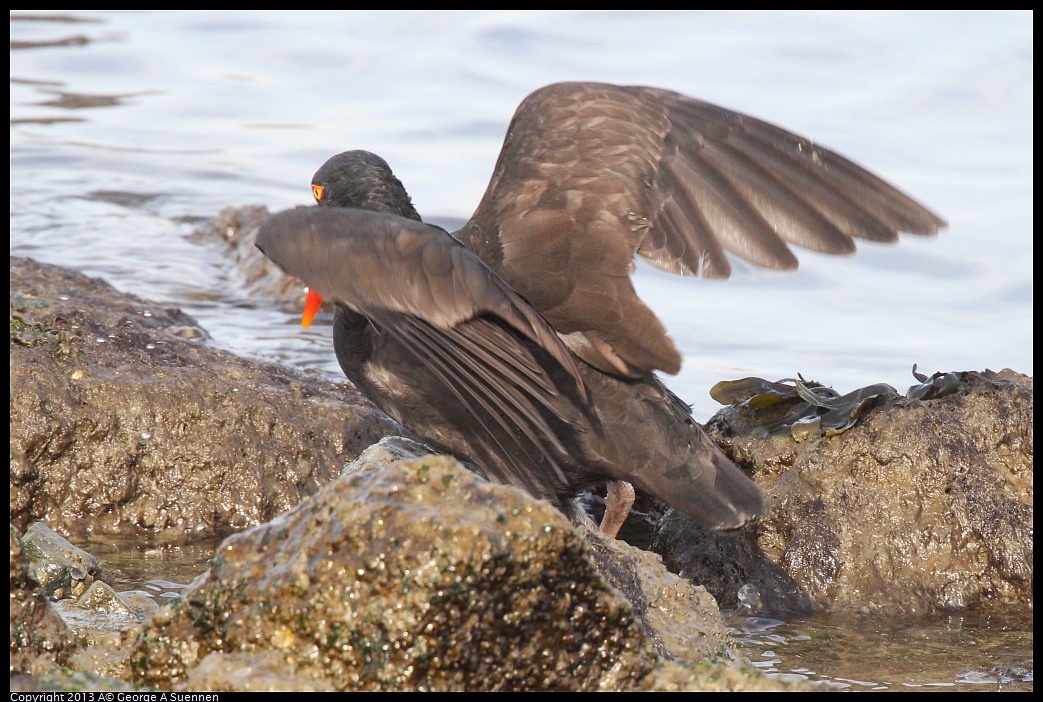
136, 564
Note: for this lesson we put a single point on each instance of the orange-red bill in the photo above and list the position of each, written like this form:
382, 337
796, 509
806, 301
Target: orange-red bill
312, 303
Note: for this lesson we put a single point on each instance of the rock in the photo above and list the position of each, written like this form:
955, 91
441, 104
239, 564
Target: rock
416, 575
681, 620
252, 672
40, 640
420, 575
923, 506
389, 450
61, 569
121, 423
99, 611
68, 681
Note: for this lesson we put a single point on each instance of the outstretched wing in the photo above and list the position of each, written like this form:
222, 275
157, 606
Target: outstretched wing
591, 174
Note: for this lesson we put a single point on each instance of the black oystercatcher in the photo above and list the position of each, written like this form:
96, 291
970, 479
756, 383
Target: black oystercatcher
518, 343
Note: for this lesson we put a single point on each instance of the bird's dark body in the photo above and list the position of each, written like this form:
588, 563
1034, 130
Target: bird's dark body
632, 430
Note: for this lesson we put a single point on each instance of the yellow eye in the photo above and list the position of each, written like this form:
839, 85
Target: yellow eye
316, 190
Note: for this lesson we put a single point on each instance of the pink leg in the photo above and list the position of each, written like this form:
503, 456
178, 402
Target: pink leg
618, 501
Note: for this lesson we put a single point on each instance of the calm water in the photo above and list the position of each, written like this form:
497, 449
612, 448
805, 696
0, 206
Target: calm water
129, 128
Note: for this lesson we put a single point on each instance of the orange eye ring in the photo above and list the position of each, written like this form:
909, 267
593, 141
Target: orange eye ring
316, 191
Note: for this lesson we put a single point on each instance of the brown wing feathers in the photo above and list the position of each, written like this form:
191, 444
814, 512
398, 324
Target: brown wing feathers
591, 174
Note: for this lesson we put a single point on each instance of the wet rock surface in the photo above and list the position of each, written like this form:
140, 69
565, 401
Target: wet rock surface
61, 569
413, 576
123, 419
40, 640
923, 506
679, 620
101, 610
418, 575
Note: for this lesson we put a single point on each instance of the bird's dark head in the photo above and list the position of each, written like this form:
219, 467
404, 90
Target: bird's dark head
363, 180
